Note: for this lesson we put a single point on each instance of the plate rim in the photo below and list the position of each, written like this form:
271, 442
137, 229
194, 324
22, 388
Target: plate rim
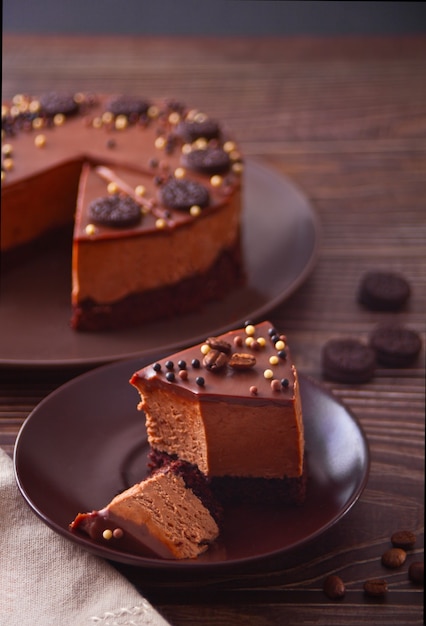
259, 166
193, 565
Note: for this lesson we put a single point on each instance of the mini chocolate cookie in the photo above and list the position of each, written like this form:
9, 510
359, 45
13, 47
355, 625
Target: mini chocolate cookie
383, 291
191, 130
209, 161
116, 211
395, 345
53, 103
128, 106
348, 360
182, 194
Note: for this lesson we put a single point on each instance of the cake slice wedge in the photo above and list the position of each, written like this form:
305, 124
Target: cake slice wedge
230, 406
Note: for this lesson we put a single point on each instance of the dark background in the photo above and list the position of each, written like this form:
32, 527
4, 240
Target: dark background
213, 17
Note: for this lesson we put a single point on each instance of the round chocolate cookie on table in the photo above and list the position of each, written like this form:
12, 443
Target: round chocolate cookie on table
383, 291
395, 345
348, 360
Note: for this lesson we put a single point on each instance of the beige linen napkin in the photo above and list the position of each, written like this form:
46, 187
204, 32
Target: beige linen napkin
46, 580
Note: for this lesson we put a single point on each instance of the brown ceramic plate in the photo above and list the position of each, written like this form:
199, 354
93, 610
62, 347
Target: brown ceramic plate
87, 441
280, 242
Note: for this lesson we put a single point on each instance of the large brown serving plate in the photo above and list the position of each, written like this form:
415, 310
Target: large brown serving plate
280, 243
86, 442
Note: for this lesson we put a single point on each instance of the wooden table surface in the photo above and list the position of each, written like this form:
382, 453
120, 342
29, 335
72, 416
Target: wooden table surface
345, 121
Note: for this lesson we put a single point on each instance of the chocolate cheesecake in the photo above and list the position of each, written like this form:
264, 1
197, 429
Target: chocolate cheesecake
155, 191
231, 406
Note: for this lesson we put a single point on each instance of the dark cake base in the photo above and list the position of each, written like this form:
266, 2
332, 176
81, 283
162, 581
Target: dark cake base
188, 296
236, 490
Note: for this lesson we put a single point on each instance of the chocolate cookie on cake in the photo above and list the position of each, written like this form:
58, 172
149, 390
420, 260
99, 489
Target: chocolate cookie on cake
152, 190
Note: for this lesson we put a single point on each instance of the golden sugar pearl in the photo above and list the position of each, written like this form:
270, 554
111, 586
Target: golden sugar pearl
200, 143
160, 223
205, 348
249, 341
121, 122
216, 180
34, 106
140, 190
268, 374
14, 111
200, 117
37, 123
174, 118
59, 119
261, 341
107, 534
40, 141
97, 122
7, 149
237, 168
235, 155
107, 117
23, 106
191, 114
112, 188
153, 111
79, 97
7, 164
229, 146
90, 229
274, 360
250, 330
160, 142
280, 345
17, 98
186, 148
195, 210
179, 172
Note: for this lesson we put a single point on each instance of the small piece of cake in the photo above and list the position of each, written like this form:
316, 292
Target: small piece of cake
231, 406
165, 516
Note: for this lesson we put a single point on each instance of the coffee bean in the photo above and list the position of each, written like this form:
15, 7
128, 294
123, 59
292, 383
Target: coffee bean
219, 344
334, 587
416, 572
376, 587
394, 558
242, 361
403, 539
215, 360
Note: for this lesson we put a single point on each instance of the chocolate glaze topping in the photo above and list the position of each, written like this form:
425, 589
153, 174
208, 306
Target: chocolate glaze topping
250, 366
148, 137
